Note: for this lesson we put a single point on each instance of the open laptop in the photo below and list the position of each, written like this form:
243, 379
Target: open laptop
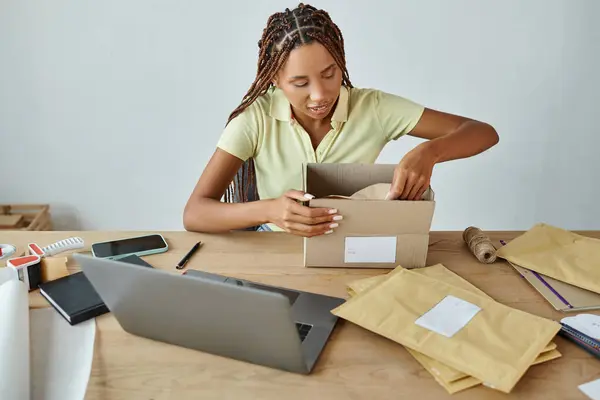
276, 327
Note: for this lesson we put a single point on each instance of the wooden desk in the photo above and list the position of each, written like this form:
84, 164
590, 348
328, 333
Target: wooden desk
356, 364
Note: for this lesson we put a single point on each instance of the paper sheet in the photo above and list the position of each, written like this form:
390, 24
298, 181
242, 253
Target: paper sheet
42, 357
61, 355
7, 274
591, 389
14, 340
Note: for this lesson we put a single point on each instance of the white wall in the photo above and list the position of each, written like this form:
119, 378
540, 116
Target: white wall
160, 77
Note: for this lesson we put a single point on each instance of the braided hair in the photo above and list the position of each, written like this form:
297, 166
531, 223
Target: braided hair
284, 32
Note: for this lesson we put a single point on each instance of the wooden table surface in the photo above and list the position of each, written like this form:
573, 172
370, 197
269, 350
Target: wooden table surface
356, 363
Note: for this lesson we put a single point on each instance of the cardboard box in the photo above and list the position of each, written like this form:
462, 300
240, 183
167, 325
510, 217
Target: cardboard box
373, 233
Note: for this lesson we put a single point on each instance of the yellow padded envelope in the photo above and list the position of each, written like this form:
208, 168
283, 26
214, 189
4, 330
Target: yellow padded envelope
557, 253
467, 382
496, 346
451, 379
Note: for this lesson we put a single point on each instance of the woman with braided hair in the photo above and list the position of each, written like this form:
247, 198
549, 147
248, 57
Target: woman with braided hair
303, 108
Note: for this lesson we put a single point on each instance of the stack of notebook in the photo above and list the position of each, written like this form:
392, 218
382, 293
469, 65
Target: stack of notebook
583, 330
454, 330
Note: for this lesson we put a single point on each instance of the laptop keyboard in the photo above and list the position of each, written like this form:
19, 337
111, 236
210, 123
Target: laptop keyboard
303, 330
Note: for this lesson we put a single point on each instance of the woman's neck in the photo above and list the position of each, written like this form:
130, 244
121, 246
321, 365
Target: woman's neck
316, 128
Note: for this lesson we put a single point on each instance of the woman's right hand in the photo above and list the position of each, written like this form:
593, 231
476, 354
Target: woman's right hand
299, 219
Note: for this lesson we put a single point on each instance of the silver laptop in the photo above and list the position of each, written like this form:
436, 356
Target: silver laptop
272, 326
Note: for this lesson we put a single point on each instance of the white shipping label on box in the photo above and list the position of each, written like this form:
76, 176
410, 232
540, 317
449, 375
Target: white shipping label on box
370, 249
448, 316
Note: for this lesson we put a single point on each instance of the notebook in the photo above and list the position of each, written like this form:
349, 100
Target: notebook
74, 297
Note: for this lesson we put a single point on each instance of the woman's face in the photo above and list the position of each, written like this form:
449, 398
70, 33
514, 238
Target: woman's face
311, 80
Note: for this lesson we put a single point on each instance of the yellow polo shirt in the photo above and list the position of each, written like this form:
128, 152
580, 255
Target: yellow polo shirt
364, 121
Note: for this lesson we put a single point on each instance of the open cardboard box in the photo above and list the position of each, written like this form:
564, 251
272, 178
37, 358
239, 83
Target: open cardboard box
373, 233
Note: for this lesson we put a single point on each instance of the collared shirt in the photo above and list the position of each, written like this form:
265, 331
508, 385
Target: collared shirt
364, 121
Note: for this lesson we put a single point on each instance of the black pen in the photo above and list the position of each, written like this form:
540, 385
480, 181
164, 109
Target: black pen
186, 258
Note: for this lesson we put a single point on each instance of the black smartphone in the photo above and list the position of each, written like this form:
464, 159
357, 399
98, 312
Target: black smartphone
139, 245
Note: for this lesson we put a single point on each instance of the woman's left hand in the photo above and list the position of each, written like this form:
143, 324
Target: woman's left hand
413, 174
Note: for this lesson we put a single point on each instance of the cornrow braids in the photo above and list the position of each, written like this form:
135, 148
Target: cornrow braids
284, 32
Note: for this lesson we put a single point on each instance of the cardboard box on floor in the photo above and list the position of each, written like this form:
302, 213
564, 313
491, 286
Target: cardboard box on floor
373, 233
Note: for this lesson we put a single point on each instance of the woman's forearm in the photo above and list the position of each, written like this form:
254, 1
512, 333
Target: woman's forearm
469, 139
212, 216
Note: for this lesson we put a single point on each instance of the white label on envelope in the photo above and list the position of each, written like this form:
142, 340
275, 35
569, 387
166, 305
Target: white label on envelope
448, 316
380, 249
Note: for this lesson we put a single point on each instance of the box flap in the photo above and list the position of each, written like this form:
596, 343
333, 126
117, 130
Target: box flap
344, 179
323, 180
304, 166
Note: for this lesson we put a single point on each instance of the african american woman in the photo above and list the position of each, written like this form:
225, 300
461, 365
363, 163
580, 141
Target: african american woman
303, 108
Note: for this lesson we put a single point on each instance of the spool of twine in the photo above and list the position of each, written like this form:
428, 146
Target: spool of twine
480, 245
